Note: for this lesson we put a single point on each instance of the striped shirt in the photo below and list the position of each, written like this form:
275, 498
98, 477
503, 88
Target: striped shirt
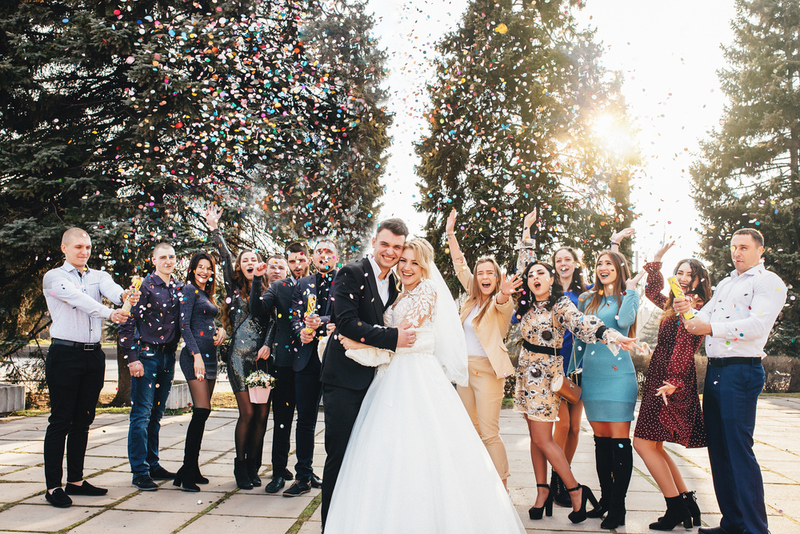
74, 302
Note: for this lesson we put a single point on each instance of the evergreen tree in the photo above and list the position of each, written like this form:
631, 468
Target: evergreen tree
126, 117
523, 114
747, 175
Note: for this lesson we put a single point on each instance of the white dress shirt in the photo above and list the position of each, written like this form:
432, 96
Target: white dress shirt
742, 312
74, 302
383, 285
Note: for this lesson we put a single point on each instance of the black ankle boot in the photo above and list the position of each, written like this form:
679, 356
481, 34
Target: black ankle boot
241, 475
691, 503
184, 479
677, 513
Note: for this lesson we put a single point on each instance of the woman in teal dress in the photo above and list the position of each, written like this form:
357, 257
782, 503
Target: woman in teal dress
609, 382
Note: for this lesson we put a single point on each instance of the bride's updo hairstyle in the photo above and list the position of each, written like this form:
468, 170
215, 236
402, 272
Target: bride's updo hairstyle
423, 254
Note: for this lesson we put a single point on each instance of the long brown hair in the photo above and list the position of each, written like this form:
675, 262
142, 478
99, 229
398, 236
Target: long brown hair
597, 294
702, 292
474, 297
211, 286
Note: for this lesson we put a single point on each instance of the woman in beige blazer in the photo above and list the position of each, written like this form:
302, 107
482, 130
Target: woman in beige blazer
486, 316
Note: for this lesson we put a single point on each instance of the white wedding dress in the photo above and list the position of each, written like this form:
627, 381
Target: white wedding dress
414, 463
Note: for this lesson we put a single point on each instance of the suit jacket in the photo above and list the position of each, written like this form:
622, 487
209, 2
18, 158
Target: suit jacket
304, 288
278, 296
493, 326
357, 311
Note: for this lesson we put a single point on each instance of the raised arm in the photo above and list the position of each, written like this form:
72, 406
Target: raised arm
617, 237
261, 302
225, 257
459, 261
527, 245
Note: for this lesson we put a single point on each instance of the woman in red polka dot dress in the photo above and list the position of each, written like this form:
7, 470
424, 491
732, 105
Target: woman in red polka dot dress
670, 409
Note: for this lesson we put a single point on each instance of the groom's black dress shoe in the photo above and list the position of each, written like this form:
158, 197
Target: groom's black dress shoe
713, 530
297, 489
315, 481
276, 485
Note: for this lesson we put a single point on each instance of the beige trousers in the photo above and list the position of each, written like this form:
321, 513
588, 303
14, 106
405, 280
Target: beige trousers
483, 398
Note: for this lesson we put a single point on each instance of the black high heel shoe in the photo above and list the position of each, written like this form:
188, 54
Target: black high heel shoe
184, 479
547, 507
577, 516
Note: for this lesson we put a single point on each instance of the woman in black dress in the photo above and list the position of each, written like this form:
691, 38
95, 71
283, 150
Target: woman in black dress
198, 358
247, 347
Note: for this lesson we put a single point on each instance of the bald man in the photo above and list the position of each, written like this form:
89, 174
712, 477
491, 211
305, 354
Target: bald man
75, 364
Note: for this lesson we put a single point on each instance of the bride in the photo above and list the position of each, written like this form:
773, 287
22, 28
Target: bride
414, 462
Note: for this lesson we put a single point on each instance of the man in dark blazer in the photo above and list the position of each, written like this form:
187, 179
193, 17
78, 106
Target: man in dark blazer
361, 293
310, 325
278, 296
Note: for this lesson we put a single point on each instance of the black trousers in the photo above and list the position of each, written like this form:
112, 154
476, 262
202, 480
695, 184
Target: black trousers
307, 390
75, 378
341, 410
282, 399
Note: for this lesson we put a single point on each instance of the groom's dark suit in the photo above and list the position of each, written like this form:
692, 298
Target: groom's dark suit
357, 312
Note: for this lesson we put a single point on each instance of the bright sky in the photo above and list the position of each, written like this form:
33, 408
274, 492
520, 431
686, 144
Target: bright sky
668, 53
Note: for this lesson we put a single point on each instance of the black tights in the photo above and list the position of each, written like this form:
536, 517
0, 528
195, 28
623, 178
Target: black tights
250, 427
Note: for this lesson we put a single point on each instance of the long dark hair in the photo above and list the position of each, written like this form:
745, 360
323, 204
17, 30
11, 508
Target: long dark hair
577, 285
241, 285
702, 291
598, 292
211, 286
526, 298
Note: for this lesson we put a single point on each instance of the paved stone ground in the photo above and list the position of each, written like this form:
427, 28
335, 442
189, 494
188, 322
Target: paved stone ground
220, 506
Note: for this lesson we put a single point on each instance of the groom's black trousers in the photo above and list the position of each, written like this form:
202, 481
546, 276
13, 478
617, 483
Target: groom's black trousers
341, 410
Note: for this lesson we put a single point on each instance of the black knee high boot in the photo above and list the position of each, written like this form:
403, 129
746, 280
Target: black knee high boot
603, 460
187, 474
622, 470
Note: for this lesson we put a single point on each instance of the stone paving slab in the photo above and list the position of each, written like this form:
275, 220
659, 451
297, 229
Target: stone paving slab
221, 506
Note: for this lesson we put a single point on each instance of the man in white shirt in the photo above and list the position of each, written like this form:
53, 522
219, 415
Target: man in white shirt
75, 364
737, 320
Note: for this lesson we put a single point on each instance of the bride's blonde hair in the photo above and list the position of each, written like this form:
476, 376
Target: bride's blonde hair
423, 254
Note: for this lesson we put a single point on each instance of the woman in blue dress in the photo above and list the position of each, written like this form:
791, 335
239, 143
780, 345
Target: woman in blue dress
198, 358
609, 382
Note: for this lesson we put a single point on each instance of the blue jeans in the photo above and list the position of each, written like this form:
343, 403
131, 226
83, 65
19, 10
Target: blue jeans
729, 406
149, 394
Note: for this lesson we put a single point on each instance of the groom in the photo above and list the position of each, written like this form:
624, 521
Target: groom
359, 295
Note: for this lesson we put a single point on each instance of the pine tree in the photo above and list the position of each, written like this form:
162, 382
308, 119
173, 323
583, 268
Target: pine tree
518, 105
747, 175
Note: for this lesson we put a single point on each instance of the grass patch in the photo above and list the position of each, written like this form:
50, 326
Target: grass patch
306, 514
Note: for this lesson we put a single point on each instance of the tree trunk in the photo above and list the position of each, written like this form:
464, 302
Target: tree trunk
123, 396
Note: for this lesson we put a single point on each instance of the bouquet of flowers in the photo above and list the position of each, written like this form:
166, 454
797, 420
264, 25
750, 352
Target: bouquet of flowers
259, 384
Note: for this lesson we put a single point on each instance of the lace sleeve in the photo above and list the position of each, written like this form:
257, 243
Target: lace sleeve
421, 304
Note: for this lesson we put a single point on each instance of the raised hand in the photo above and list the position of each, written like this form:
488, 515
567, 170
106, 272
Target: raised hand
617, 237
511, 285
450, 226
260, 269
530, 219
631, 283
213, 214
663, 250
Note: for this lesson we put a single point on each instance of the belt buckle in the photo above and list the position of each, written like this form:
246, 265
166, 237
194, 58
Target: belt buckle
88, 347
